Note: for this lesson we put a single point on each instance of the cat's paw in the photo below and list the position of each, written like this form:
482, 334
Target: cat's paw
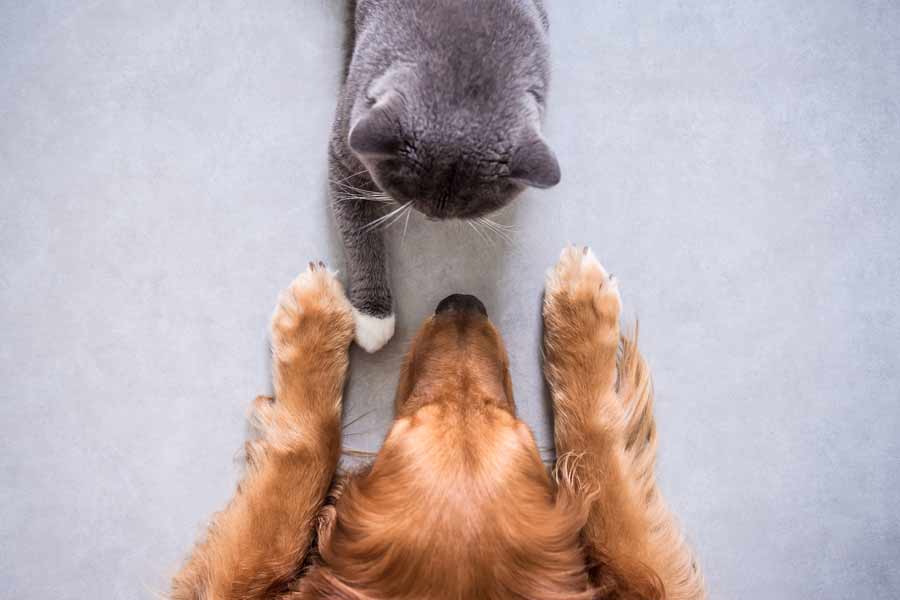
372, 332
580, 295
312, 314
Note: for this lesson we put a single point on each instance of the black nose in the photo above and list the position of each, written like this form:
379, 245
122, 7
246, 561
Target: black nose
461, 303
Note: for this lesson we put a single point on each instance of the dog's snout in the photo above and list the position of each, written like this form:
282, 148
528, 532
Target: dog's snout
463, 303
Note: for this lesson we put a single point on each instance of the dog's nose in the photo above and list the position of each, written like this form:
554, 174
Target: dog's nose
463, 303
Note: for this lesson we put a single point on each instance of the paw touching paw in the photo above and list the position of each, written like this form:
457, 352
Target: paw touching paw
312, 313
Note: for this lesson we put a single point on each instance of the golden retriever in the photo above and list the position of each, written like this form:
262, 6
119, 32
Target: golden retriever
457, 504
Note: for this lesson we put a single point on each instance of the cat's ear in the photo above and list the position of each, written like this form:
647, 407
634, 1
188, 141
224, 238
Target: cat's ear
533, 163
376, 134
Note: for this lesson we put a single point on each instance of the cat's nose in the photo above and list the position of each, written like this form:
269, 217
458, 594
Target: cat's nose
463, 303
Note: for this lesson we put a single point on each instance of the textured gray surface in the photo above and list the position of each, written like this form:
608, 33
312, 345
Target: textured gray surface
162, 176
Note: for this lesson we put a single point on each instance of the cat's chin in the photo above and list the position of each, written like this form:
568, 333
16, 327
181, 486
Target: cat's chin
372, 332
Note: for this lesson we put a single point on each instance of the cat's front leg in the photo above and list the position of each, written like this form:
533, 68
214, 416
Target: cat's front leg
357, 208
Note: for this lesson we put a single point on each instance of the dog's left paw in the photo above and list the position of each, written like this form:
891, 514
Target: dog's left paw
312, 314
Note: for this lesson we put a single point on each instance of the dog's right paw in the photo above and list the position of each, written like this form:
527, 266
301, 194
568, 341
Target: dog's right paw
580, 293
372, 332
312, 314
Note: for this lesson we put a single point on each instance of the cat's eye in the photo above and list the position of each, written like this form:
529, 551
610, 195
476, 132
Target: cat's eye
537, 94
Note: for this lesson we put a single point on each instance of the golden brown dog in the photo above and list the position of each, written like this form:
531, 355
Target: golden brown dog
457, 504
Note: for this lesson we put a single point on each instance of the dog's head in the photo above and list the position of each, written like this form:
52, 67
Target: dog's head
457, 504
457, 362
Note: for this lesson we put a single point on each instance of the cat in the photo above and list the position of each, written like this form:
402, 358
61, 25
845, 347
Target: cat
440, 111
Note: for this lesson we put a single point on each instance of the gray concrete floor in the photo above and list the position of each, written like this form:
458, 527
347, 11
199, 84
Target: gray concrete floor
162, 176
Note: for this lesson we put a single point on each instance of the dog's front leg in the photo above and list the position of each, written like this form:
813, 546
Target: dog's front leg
606, 437
255, 547
581, 344
581, 341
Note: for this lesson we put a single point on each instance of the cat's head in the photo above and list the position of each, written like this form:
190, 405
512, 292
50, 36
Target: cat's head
457, 132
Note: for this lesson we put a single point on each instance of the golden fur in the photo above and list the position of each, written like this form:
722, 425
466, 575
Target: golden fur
457, 503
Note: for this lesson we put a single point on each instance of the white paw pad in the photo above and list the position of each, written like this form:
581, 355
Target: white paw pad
372, 333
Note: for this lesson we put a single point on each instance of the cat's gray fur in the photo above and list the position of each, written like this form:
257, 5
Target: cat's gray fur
440, 107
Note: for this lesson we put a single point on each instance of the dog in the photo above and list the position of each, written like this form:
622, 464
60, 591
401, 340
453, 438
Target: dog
457, 503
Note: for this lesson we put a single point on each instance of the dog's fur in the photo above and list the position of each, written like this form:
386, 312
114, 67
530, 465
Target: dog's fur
457, 504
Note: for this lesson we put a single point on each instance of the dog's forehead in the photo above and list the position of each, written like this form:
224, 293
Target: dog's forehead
442, 417
482, 441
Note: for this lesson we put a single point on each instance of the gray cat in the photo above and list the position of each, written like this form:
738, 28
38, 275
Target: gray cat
440, 111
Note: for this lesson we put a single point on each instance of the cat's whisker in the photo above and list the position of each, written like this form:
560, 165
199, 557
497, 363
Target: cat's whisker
486, 231
350, 196
499, 225
342, 183
496, 228
358, 190
351, 193
507, 231
384, 218
351, 176
406, 225
374, 223
394, 217
479, 232
355, 419
368, 199
354, 198
399, 217
499, 237
487, 235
